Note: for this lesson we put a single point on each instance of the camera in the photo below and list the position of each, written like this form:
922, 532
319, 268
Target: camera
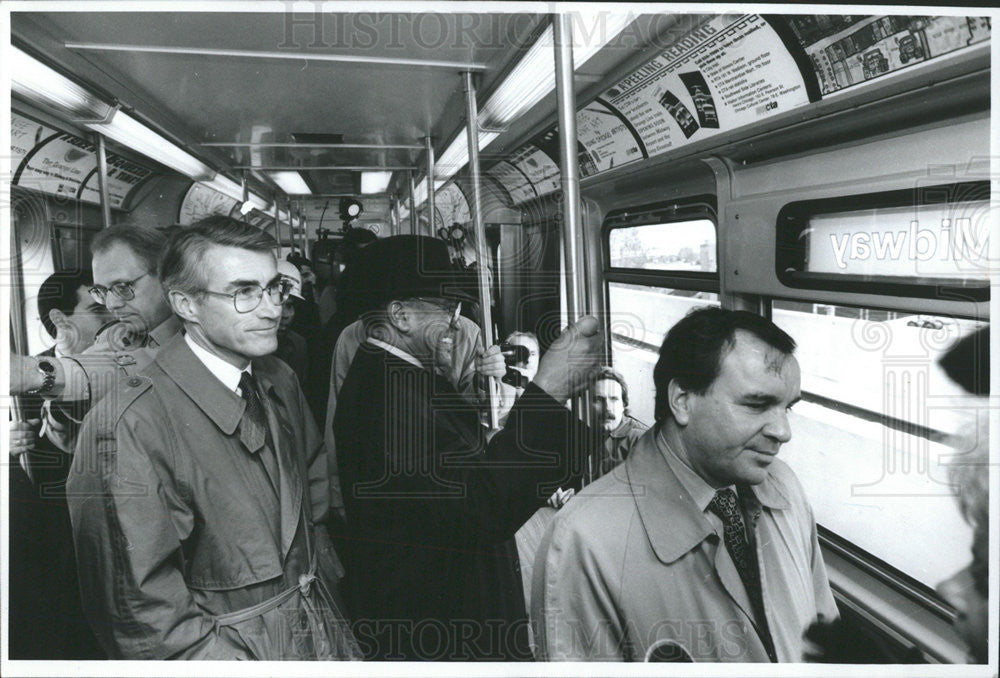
514, 355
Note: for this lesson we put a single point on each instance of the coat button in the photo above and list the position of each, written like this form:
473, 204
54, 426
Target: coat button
134, 381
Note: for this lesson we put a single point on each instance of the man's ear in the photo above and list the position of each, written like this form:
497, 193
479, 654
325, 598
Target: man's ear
183, 305
399, 316
679, 400
59, 319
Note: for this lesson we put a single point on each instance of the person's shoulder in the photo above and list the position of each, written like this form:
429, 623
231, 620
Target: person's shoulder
636, 427
131, 398
275, 370
599, 514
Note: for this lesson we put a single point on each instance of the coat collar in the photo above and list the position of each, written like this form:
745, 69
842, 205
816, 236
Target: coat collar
673, 521
162, 333
219, 403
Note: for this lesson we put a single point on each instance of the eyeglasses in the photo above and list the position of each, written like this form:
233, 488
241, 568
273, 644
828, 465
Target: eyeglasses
248, 297
455, 311
124, 290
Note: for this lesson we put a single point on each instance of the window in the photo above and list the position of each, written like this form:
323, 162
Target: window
878, 426
662, 262
679, 246
640, 316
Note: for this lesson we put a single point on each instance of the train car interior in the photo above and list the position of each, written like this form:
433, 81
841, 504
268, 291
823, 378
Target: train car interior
830, 172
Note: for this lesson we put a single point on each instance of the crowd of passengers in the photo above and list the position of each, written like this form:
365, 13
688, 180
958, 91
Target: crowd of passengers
227, 456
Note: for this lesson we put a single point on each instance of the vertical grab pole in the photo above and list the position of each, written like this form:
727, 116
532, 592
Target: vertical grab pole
568, 162
277, 216
277, 227
485, 294
572, 231
430, 187
397, 227
102, 180
413, 203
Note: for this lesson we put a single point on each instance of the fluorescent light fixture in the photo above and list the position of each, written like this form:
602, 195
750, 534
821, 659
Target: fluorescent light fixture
530, 81
38, 83
231, 189
131, 133
456, 156
375, 182
291, 183
420, 194
534, 75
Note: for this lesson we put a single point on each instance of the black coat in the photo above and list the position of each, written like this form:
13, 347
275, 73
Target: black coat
432, 510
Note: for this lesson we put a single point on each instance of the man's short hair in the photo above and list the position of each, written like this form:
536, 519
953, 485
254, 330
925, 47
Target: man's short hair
181, 264
146, 242
610, 374
59, 291
694, 348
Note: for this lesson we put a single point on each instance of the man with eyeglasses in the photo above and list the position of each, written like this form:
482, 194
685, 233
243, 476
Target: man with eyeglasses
429, 502
127, 284
199, 497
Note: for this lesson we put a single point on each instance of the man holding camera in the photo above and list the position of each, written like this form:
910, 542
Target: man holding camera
428, 500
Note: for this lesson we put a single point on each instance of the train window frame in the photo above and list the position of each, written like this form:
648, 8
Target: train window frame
794, 220
881, 570
666, 212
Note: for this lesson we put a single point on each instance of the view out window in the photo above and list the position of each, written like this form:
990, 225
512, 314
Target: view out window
640, 318
682, 246
878, 425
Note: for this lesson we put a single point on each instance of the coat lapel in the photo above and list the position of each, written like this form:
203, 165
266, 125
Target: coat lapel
290, 478
670, 517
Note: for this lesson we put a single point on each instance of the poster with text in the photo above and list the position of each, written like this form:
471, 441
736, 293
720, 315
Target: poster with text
730, 71
61, 164
850, 50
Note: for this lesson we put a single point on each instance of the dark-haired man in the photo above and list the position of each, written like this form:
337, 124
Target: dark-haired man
46, 621
199, 492
702, 546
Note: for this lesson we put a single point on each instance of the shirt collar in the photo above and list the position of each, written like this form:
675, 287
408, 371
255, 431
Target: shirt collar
767, 493
700, 491
225, 372
398, 352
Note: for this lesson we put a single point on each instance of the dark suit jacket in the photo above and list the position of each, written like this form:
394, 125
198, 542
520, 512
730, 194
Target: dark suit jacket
430, 506
46, 618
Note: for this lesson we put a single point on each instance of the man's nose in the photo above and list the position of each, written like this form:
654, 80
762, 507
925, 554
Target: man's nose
112, 301
778, 427
268, 309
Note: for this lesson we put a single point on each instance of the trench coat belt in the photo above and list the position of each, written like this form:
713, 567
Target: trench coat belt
263, 607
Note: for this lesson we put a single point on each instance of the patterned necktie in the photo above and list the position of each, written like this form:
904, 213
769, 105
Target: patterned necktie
726, 505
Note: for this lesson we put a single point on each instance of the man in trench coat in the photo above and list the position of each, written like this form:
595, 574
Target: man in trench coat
199, 488
639, 566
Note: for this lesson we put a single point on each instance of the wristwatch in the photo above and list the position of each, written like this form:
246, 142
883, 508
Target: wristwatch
48, 370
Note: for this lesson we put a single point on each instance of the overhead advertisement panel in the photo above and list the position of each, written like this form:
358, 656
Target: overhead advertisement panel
850, 50
53, 162
606, 137
202, 201
451, 204
514, 181
731, 71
